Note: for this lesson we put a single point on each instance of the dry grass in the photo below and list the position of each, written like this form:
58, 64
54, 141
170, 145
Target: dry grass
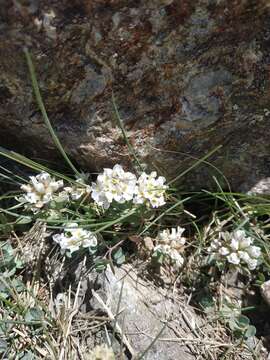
63, 331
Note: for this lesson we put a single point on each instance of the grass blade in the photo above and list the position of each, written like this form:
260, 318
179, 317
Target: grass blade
195, 164
121, 126
23, 160
44, 112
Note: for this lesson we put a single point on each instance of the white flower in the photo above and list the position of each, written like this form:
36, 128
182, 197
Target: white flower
63, 196
215, 245
254, 251
244, 256
78, 190
239, 235
67, 243
224, 251
164, 249
98, 194
252, 264
233, 259
171, 254
113, 184
173, 237
73, 238
234, 244
177, 259
40, 190
170, 243
118, 185
240, 240
150, 189
237, 248
124, 184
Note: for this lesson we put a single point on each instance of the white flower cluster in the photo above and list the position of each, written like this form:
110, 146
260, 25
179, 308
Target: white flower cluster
112, 185
73, 238
237, 248
43, 188
121, 186
150, 189
40, 190
169, 244
75, 192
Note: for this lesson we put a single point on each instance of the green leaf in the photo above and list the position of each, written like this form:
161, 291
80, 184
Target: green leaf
210, 260
5, 228
18, 285
3, 345
260, 279
7, 249
232, 324
242, 321
119, 256
101, 265
207, 302
3, 219
250, 332
24, 220
160, 258
8, 261
34, 314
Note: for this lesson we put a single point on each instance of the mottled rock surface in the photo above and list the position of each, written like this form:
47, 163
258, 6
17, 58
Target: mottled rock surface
187, 76
144, 311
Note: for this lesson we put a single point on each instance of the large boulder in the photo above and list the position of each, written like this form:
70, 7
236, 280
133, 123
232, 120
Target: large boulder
187, 77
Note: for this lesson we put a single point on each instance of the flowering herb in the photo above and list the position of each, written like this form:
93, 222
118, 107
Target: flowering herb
150, 189
74, 238
237, 248
40, 190
168, 248
116, 185
113, 184
120, 186
77, 191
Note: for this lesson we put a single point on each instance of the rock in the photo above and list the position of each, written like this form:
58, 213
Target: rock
262, 187
144, 310
186, 77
